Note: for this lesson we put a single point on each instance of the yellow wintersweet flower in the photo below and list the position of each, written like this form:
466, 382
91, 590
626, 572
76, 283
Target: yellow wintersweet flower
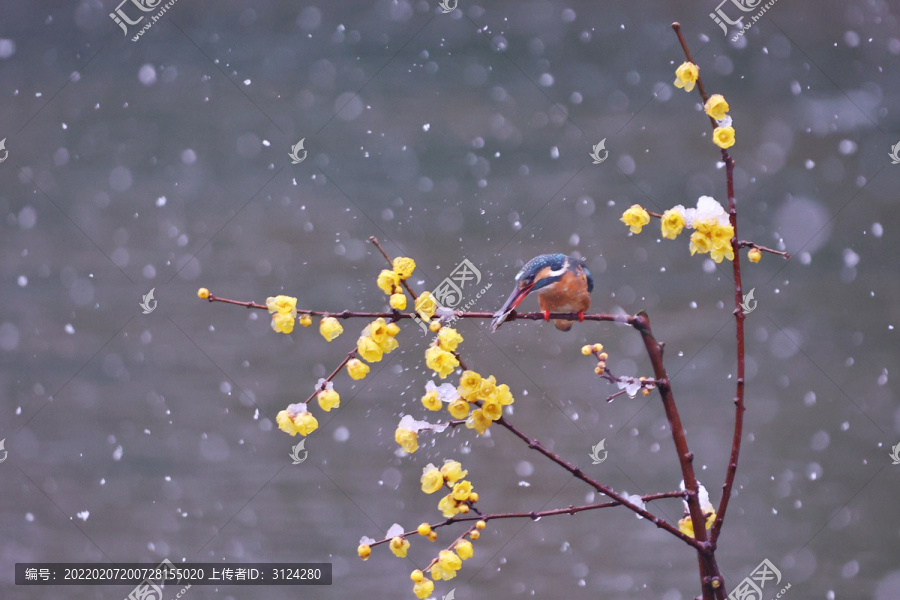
686, 527
453, 471
459, 408
330, 328
356, 368
368, 350
203, 293
364, 551
393, 329
388, 345
469, 383
447, 506
716, 107
408, 439
448, 338
478, 421
686, 76
282, 304
754, 255
328, 399
399, 546
635, 217
492, 409
388, 281
293, 422
723, 137
432, 481
404, 267
417, 576
398, 301
439, 572
700, 242
378, 330
504, 396
306, 320
426, 305
424, 529
672, 222
422, 589
449, 561
464, 549
462, 490
432, 401
439, 360
721, 235
718, 253
488, 388
283, 322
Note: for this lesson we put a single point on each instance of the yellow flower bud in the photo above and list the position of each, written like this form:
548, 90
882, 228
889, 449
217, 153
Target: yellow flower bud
473, 497
480, 525
306, 320
586, 350
432, 535
424, 529
203, 293
404, 267
398, 301
357, 369
434, 326
597, 347
330, 328
417, 576
754, 255
364, 551
474, 535
392, 329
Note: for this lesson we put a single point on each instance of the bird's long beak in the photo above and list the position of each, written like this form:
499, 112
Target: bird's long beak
518, 294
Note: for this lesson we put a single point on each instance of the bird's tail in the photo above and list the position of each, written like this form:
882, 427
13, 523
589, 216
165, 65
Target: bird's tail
563, 324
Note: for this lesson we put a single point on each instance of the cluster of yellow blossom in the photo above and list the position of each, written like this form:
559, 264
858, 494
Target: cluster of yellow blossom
376, 340
712, 234
296, 418
472, 389
284, 312
596, 350
439, 356
389, 280
686, 76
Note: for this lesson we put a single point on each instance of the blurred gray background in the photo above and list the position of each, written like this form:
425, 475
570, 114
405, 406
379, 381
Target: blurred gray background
163, 163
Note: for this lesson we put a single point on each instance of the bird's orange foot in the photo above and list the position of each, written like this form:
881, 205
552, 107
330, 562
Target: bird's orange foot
581, 316
546, 315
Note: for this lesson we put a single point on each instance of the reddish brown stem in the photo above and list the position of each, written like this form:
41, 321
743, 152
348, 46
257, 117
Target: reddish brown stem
569, 510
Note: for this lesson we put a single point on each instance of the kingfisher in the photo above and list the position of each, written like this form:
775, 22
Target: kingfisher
563, 284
